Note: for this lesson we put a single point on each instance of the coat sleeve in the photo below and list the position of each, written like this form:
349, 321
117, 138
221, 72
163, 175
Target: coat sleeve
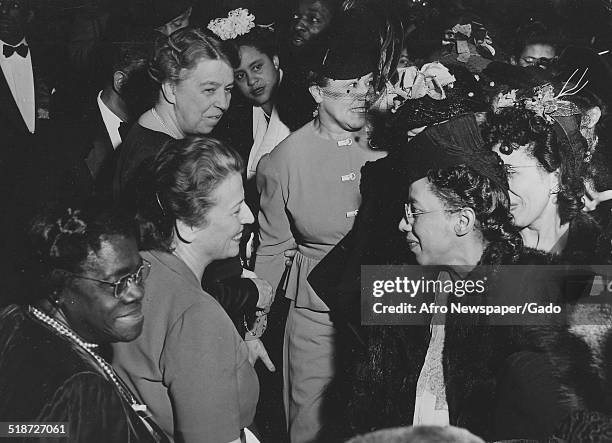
274, 221
91, 407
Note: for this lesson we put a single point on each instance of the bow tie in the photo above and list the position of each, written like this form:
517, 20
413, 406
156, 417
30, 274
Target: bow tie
9, 50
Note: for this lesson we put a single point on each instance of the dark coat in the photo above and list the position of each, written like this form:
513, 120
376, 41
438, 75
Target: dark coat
376, 384
560, 381
381, 375
45, 377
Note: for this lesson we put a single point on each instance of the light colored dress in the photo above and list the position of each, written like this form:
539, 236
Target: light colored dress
309, 189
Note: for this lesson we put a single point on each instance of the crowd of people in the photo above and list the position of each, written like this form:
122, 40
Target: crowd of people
191, 191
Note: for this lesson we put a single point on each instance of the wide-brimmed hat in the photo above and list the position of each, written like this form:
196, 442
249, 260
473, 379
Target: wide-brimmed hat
452, 143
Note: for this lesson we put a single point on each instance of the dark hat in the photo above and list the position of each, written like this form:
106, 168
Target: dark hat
452, 143
354, 47
163, 11
599, 74
464, 97
502, 77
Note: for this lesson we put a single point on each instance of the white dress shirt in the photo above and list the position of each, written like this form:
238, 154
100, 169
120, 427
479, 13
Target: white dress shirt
20, 78
111, 122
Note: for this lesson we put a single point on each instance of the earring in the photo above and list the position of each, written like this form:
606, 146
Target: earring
315, 113
55, 299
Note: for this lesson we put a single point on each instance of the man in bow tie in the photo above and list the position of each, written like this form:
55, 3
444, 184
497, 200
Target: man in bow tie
18, 97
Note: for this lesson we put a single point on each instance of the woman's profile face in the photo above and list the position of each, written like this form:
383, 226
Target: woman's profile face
530, 186
202, 95
344, 102
221, 233
428, 226
91, 307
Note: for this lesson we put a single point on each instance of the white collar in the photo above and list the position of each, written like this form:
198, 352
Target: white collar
2, 43
23, 41
111, 121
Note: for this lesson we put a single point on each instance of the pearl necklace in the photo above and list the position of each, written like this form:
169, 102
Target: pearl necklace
169, 131
88, 347
61, 328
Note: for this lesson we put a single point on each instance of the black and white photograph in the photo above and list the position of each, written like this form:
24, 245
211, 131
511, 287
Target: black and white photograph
306, 221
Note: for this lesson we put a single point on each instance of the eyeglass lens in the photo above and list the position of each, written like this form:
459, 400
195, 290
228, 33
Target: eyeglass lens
137, 278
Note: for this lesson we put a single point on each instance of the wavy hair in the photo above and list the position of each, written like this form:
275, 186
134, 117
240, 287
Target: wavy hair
516, 127
179, 185
459, 187
184, 49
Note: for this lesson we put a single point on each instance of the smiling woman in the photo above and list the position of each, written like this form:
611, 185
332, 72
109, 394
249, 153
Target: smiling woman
545, 164
309, 187
190, 364
87, 287
194, 70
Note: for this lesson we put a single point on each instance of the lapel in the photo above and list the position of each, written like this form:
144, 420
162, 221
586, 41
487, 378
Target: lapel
101, 145
42, 95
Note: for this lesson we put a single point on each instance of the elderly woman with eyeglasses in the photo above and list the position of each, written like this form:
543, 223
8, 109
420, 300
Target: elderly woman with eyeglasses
87, 288
442, 371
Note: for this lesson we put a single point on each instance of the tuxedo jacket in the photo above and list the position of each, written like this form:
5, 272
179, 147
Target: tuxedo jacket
11, 121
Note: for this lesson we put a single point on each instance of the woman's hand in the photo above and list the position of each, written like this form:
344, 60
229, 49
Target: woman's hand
289, 255
592, 198
266, 293
258, 351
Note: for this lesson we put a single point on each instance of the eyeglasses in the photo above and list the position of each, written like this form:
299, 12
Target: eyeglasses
411, 214
121, 285
542, 62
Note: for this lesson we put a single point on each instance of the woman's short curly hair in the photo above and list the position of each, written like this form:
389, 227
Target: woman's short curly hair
184, 49
179, 185
62, 237
517, 127
460, 187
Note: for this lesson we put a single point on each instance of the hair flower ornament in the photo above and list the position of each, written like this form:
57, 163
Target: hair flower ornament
238, 22
416, 83
472, 33
430, 80
544, 102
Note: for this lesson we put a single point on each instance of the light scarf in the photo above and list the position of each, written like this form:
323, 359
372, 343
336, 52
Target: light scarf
265, 137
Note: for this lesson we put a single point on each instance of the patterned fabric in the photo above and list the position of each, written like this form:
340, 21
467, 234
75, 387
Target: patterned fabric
430, 406
45, 378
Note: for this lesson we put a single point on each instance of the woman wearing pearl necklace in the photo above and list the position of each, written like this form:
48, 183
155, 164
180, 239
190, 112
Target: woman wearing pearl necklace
87, 286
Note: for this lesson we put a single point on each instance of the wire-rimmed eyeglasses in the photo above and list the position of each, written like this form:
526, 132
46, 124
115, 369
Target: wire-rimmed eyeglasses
411, 214
121, 285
